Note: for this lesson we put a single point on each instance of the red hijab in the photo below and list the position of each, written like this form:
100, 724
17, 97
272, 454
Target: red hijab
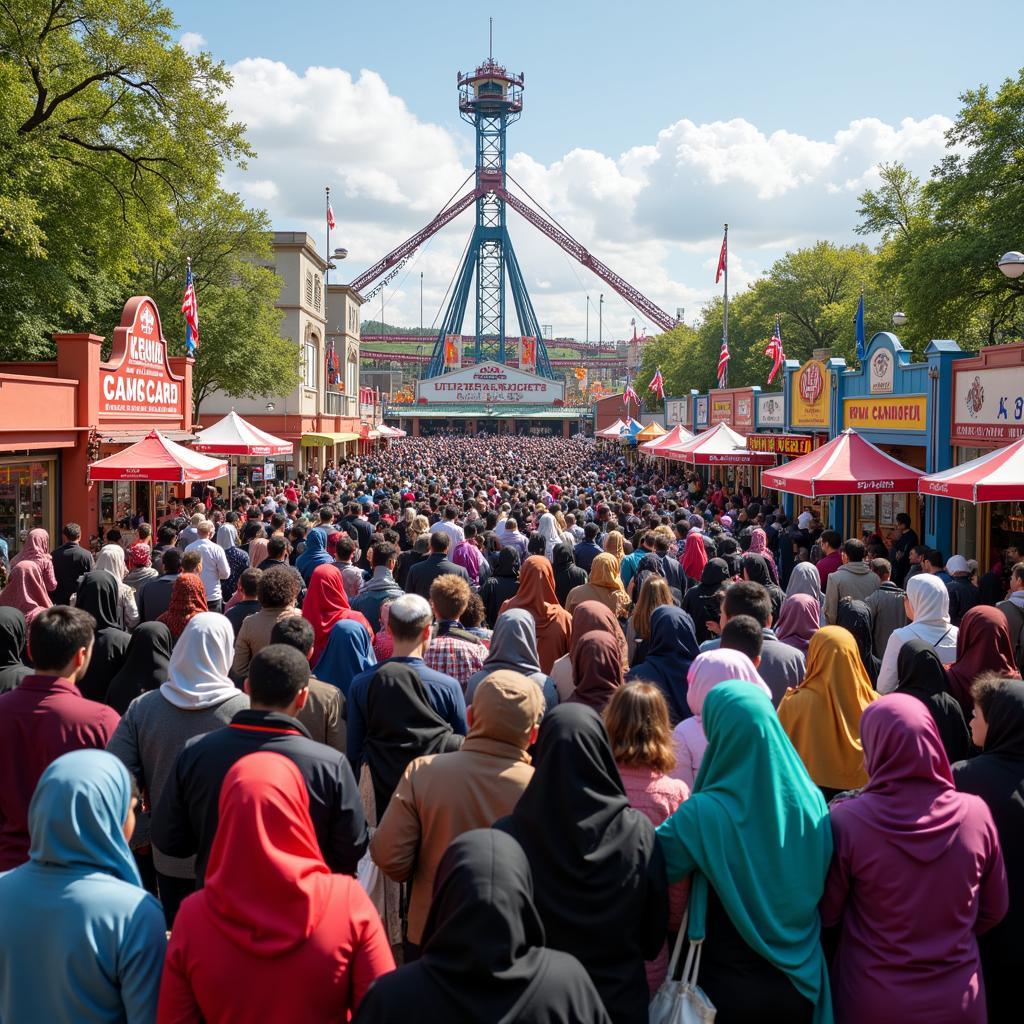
188, 599
982, 645
267, 885
26, 591
325, 605
695, 556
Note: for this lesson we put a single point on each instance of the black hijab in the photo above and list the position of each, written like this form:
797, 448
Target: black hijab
400, 726
922, 675
668, 656
98, 595
567, 573
597, 870
502, 585
483, 955
145, 665
649, 565
12, 647
756, 568
855, 617
700, 603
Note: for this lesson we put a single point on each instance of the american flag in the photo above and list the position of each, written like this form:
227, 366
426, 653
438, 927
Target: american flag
190, 308
629, 395
723, 259
723, 364
330, 217
657, 384
776, 351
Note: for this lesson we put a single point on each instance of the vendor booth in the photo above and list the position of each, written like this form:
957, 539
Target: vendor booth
237, 438
156, 459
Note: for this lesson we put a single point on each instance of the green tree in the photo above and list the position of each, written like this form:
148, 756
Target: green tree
106, 126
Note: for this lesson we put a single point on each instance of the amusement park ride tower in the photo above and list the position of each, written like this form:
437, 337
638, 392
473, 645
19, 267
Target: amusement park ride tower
491, 99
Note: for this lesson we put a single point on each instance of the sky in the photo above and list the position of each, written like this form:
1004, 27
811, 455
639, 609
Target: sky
645, 127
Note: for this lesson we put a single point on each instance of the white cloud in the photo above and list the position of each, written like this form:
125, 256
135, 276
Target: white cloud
192, 42
653, 213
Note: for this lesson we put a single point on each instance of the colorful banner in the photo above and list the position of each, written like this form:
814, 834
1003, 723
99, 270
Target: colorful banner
780, 444
528, 354
809, 396
452, 351
907, 413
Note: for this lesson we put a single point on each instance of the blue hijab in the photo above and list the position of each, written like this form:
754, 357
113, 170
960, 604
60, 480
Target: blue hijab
314, 554
668, 656
348, 652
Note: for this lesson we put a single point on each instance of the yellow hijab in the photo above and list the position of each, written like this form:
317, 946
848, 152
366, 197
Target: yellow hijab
822, 715
614, 545
604, 573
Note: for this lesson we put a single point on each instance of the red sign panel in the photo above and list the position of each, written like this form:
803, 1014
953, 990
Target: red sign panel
721, 409
779, 444
138, 382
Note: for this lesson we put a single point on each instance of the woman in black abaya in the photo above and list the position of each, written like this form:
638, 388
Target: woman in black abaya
922, 675
99, 595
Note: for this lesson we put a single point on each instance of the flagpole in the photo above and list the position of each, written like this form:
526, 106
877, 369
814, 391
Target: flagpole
725, 306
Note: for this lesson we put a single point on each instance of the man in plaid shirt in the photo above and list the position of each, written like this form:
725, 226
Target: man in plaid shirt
453, 649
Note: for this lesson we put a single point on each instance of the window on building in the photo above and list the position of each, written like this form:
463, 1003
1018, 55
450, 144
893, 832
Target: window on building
309, 288
309, 364
316, 293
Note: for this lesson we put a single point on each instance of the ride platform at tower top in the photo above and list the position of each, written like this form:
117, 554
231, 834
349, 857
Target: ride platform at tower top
491, 99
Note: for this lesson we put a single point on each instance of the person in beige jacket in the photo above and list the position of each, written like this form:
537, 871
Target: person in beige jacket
443, 795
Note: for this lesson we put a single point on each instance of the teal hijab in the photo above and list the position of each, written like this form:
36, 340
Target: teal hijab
77, 814
758, 829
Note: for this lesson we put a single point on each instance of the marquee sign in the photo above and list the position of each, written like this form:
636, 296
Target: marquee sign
780, 444
138, 381
492, 382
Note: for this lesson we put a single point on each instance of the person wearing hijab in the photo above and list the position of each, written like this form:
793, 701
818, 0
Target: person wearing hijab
759, 546
647, 567
196, 698
98, 595
568, 574
140, 569
80, 939
597, 669
12, 649
536, 595
309, 935
325, 604
484, 954
145, 666
695, 558
654, 593
547, 527
708, 669
502, 584
26, 591
36, 550
615, 545
604, 585
923, 676
799, 620
997, 776
667, 658
917, 875
983, 645
804, 579
588, 616
514, 648
755, 569
927, 604
349, 651
822, 715
111, 559
755, 836
257, 551
188, 599
702, 602
597, 871
855, 616
314, 554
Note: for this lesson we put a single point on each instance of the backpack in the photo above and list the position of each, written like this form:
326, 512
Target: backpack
1015, 619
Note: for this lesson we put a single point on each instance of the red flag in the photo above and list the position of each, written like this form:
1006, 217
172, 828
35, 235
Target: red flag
723, 258
629, 395
657, 384
723, 364
775, 351
330, 217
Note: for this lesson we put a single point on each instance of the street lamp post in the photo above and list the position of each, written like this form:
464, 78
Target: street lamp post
600, 327
899, 319
1012, 264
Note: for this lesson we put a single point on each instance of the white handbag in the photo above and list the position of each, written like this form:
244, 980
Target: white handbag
682, 1001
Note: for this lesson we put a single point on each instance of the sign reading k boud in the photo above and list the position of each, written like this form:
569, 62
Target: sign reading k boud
907, 413
493, 382
779, 444
138, 381
988, 404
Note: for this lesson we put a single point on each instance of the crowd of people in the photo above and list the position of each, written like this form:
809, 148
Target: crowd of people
482, 729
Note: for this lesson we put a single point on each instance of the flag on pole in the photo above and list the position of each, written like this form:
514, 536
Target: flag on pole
858, 323
629, 395
723, 258
330, 216
190, 308
657, 384
775, 351
723, 364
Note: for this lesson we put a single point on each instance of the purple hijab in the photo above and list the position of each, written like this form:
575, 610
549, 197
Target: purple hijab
799, 620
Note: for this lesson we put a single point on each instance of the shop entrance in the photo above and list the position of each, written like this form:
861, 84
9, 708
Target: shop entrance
877, 512
27, 499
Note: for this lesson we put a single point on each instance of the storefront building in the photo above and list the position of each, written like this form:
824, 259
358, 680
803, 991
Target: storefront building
57, 416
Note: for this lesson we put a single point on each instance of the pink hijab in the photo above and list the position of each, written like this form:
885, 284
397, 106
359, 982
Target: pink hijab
799, 620
719, 666
759, 546
37, 549
26, 591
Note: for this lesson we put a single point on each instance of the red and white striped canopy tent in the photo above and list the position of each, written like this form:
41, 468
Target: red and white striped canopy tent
660, 445
997, 476
158, 460
848, 464
719, 446
234, 436
613, 431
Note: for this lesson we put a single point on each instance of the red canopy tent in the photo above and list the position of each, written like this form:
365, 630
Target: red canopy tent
676, 436
158, 460
719, 446
234, 436
848, 464
997, 476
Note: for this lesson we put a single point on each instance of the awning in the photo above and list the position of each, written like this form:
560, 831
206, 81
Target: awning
234, 436
134, 436
677, 436
651, 431
996, 476
613, 431
313, 440
386, 431
159, 460
630, 430
719, 446
848, 464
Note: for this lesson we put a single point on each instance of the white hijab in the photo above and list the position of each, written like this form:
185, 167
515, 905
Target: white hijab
548, 529
929, 600
198, 673
111, 559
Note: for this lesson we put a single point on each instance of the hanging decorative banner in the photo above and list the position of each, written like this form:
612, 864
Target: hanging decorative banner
453, 350
809, 395
528, 354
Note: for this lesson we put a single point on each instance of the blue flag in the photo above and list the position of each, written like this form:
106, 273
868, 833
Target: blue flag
858, 323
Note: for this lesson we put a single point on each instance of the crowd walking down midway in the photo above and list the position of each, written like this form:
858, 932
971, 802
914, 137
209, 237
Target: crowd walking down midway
493, 729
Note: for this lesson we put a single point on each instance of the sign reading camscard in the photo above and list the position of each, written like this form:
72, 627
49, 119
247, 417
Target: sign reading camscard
491, 382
